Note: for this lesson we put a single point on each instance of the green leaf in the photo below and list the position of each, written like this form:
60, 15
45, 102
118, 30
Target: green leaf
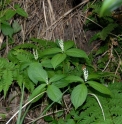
54, 93
109, 5
9, 14
68, 45
99, 87
21, 12
74, 52
57, 59
7, 80
37, 73
56, 77
93, 76
78, 95
51, 51
16, 27
36, 92
105, 32
7, 30
70, 121
46, 63
61, 83
1, 85
73, 78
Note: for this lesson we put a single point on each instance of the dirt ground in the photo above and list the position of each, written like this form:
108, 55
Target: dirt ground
55, 19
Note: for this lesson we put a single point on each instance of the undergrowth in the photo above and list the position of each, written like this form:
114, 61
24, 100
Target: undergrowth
55, 69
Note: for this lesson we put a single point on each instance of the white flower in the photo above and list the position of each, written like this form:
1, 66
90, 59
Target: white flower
35, 53
85, 72
61, 44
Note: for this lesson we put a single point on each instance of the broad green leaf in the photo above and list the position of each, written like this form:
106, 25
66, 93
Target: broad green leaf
74, 52
109, 5
61, 83
57, 59
54, 93
21, 12
37, 73
9, 14
68, 45
7, 30
78, 95
99, 87
73, 78
16, 27
51, 51
93, 76
36, 92
56, 77
46, 63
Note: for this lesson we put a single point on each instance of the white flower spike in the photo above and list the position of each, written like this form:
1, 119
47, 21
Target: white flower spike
35, 53
61, 44
85, 72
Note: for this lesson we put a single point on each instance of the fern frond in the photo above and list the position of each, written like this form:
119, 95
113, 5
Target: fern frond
104, 33
23, 58
25, 45
96, 6
7, 80
10, 65
3, 62
29, 84
91, 113
1, 85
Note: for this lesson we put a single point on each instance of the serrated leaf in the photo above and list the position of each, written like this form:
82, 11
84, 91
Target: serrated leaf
21, 12
56, 77
68, 45
94, 37
73, 78
70, 121
51, 51
7, 30
9, 14
74, 52
7, 80
104, 33
1, 85
36, 92
99, 87
57, 59
78, 95
16, 27
37, 73
54, 93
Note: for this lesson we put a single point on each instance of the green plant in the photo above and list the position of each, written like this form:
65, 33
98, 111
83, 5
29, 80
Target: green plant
107, 56
88, 112
52, 69
109, 5
9, 27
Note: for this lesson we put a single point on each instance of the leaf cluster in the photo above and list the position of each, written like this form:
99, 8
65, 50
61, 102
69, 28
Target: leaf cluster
90, 112
6, 14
